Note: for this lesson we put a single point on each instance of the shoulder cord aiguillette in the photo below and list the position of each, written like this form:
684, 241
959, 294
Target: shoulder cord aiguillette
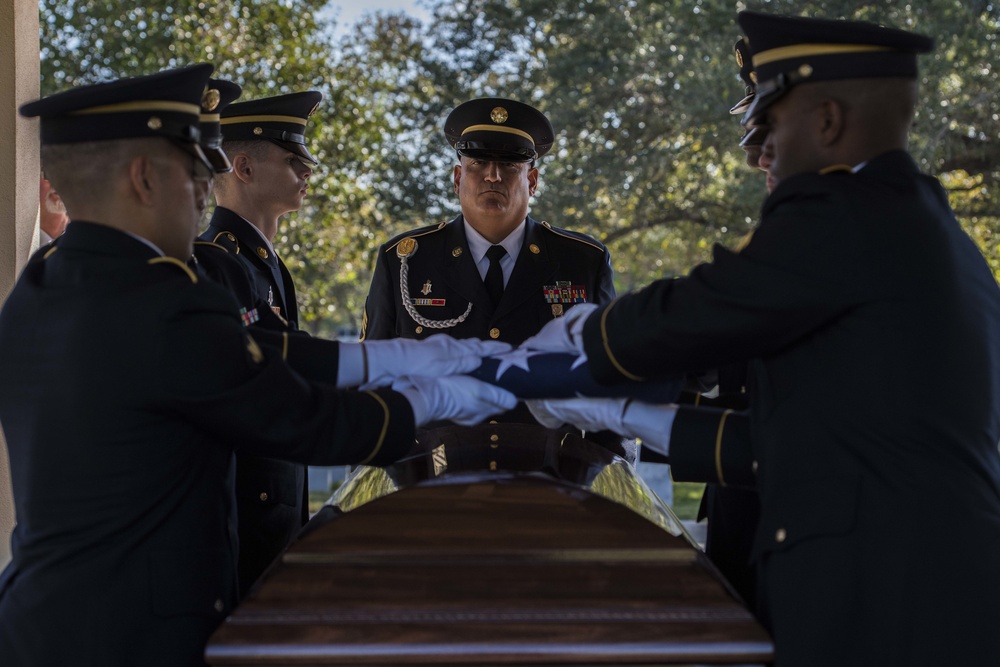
404, 249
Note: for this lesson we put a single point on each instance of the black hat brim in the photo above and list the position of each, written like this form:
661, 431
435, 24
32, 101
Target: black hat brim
298, 149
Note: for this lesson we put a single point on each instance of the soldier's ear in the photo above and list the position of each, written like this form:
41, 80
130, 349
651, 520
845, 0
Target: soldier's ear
532, 181
140, 171
456, 176
242, 167
831, 117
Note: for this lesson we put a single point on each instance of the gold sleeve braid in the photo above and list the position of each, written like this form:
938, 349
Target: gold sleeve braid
385, 427
718, 447
607, 345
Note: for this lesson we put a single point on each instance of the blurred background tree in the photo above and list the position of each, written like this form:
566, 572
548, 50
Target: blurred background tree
646, 155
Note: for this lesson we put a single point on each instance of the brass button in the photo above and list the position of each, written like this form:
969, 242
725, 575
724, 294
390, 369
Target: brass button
231, 237
494, 437
263, 496
754, 467
493, 421
419, 329
219, 606
494, 333
534, 249
493, 466
780, 535
262, 252
154, 123
494, 445
258, 130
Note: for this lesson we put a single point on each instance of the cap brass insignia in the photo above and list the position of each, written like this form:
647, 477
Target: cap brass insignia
210, 99
154, 123
534, 249
498, 115
262, 251
406, 247
456, 251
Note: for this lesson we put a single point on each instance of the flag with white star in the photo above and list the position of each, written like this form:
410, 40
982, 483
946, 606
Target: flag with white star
536, 374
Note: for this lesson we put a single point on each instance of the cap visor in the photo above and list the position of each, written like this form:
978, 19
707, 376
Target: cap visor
494, 156
195, 151
742, 105
219, 159
754, 137
300, 150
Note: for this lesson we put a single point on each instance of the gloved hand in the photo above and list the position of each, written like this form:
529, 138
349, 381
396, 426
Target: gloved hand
624, 416
563, 334
458, 398
377, 363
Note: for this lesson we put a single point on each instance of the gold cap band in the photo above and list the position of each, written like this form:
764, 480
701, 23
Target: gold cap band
264, 119
143, 105
498, 128
807, 50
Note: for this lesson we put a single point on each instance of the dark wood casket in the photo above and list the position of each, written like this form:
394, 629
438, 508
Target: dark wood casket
493, 545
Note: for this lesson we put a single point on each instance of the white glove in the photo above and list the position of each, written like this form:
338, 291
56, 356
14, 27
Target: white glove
377, 363
458, 398
563, 334
626, 417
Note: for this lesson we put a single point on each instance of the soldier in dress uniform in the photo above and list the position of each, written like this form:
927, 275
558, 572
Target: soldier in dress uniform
124, 551
871, 321
266, 139
271, 165
492, 272
213, 260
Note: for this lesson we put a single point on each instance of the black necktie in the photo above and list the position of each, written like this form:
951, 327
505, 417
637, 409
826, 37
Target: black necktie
494, 275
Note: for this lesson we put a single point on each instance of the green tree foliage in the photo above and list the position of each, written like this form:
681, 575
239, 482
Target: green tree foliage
270, 48
638, 91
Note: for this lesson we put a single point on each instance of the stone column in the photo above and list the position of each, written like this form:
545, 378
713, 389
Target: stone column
19, 169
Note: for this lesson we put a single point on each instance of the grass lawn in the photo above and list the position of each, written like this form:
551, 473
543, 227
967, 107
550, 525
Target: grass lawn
317, 499
687, 499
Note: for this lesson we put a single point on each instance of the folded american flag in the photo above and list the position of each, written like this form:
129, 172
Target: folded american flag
534, 374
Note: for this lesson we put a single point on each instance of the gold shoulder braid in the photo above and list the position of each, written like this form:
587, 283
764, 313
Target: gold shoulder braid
835, 168
175, 262
405, 249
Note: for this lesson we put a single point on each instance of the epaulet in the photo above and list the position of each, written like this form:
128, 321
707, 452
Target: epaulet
173, 261
423, 231
575, 236
228, 236
836, 168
